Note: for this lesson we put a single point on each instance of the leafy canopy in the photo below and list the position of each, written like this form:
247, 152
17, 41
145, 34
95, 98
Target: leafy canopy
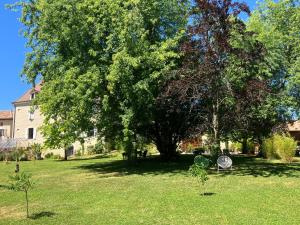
276, 25
101, 62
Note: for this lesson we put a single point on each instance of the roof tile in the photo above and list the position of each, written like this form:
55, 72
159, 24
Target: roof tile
6, 115
27, 96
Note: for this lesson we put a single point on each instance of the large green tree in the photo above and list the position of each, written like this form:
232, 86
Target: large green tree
277, 25
101, 63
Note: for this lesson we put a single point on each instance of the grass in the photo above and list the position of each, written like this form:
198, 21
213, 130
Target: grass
105, 190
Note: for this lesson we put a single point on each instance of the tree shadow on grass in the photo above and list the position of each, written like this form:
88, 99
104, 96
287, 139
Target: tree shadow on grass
243, 166
39, 215
149, 166
257, 167
102, 156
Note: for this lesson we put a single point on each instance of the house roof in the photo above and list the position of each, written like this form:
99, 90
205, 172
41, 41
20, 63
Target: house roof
294, 126
27, 96
6, 115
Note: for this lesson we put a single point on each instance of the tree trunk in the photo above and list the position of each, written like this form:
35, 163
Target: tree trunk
227, 144
260, 143
66, 154
167, 153
130, 148
167, 148
215, 124
165, 140
244, 146
82, 147
27, 206
17, 170
133, 153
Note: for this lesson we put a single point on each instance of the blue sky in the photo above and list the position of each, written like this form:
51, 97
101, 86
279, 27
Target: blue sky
12, 55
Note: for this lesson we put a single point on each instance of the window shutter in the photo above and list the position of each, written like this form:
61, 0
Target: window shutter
34, 133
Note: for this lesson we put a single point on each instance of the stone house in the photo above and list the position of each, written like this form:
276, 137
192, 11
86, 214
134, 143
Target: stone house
6, 124
23, 124
27, 118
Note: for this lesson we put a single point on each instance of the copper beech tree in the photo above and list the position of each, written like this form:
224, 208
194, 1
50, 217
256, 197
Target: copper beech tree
222, 79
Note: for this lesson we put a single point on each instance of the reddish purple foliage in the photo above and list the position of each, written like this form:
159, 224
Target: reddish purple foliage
200, 84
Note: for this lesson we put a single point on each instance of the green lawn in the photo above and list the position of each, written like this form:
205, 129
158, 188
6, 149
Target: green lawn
107, 191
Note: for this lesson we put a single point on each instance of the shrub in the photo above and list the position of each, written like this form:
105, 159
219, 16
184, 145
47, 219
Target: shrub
189, 148
152, 149
279, 147
119, 146
7, 156
49, 155
57, 157
202, 162
78, 153
109, 146
236, 146
20, 154
250, 146
215, 152
90, 150
286, 147
268, 149
99, 148
2, 156
198, 151
37, 151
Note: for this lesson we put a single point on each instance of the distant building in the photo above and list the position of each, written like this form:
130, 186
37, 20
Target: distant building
27, 118
294, 130
25, 121
6, 124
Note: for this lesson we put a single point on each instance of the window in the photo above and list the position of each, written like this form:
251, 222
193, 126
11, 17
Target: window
31, 115
30, 133
32, 96
1, 124
2, 131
